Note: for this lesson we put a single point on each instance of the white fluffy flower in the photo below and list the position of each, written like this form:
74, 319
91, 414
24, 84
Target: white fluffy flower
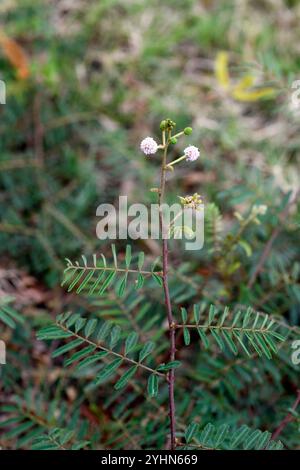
191, 153
260, 209
149, 146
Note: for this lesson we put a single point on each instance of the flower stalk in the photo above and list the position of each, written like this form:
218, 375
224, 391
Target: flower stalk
191, 153
171, 164
165, 262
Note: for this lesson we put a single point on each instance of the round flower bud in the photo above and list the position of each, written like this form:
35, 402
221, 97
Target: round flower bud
192, 153
163, 125
149, 146
188, 131
173, 140
170, 124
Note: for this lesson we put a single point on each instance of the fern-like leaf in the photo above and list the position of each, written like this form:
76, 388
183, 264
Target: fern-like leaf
93, 342
226, 438
96, 278
9, 316
249, 332
58, 439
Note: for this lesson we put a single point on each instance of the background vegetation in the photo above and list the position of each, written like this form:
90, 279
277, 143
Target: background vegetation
86, 81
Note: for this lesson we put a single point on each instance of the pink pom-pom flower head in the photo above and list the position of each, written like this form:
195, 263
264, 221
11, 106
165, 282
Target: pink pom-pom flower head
191, 153
149, 146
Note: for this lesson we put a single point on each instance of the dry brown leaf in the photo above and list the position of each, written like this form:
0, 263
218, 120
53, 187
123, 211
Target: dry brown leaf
16, 56
24, 288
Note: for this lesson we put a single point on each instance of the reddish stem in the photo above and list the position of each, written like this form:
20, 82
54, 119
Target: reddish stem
171, 374
288, 418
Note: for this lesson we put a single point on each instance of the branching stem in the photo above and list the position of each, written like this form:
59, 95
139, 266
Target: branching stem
110, 351
105, 268
171, 374
288, 418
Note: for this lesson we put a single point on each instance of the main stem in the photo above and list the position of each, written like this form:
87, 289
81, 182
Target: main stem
171, 374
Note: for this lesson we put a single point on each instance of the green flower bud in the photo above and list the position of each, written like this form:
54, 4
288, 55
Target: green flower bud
173, 140
170, 124
163, 125
188, 131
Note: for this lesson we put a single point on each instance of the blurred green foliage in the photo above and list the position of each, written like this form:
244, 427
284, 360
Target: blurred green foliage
102, 74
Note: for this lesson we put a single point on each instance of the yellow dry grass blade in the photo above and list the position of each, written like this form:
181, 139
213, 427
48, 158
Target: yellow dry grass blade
221, 69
